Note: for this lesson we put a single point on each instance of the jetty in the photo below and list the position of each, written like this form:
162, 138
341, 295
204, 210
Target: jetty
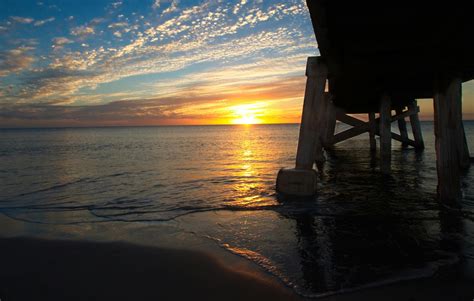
378, 58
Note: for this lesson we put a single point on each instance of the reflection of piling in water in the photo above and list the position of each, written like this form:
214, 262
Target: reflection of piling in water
379, 63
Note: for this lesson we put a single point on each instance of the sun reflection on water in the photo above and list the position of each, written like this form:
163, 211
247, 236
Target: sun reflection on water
249, 190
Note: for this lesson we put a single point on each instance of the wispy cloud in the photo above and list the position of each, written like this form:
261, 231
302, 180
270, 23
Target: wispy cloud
156, 4
117, 4
42, 22
118, 24
82, 31
59, 42
173, 7
22, 20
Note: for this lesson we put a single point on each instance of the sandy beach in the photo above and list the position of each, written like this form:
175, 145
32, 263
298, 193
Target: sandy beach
35, 269
41, 269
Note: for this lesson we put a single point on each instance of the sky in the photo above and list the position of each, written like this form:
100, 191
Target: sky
156, 62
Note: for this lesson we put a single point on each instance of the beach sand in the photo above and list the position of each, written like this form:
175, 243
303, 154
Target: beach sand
38, 269
41, 269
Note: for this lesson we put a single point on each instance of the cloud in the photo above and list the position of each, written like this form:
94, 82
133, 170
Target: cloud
42, 22
59, 42
173, 45
156, 4
25, 42
15, 60
82, 31
230, 64
188, 107
22, 20
118, 24
96, 21
46, 85
116, 4
238, 6
172, 8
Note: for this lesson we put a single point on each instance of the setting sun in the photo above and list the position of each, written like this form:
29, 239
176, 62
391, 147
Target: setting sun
247, 114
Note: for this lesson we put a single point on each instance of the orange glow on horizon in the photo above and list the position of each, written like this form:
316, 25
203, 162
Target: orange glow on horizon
247, 114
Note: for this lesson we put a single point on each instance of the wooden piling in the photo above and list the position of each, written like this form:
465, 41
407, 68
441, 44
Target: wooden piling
402, 127
447, 116
385, 134
464, 156
331, 121
415, 126
309, 143
372, 130
321, 131
301, 180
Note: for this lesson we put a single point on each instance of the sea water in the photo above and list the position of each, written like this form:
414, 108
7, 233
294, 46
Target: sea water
217, 183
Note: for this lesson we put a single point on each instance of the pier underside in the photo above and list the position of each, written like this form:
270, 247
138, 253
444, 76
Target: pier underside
320, 114
399, 48
377, 59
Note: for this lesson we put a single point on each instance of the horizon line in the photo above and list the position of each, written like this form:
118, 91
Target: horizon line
163, 125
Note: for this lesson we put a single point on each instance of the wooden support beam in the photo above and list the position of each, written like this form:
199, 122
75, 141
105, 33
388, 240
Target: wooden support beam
395, 136
352, 132
309, 143
402, 127
415, 126
410, 111
331, 122
372, 130
301, 181
464, 156
385, 134
321, 131
347, 119
447, 109
403, 140
359, 127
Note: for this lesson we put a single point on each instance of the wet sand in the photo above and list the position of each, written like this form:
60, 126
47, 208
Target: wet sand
36, 269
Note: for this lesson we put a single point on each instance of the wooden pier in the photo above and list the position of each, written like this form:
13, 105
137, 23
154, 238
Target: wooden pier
378, 59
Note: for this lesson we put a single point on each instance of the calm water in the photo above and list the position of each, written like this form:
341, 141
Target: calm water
218, 184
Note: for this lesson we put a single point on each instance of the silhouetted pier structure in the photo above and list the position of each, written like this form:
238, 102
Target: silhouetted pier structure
378, 58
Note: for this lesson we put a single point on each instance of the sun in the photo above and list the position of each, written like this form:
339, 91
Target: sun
247, 114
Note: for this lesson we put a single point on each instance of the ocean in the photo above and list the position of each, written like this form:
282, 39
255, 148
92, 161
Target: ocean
215, 185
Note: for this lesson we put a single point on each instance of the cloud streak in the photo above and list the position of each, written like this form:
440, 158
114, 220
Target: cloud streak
42, 22
22, 20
